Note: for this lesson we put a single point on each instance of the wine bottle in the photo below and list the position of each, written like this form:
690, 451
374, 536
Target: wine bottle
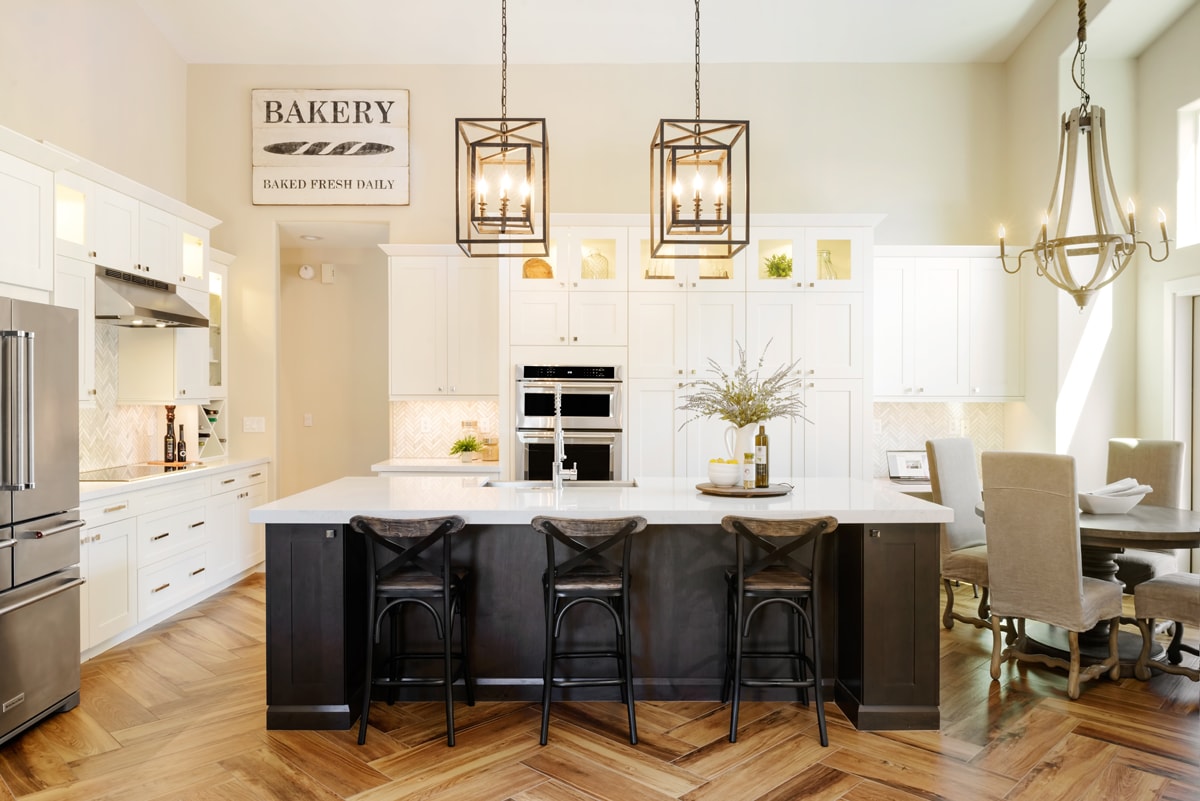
180, 447
761, 463
169, 444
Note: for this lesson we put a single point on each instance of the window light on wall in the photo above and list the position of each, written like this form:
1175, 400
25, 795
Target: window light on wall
1188, 230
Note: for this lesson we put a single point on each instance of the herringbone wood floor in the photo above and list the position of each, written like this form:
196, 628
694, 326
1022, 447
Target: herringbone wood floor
178, 713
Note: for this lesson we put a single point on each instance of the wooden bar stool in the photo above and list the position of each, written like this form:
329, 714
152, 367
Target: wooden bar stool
578, 572
768, 574
419, 575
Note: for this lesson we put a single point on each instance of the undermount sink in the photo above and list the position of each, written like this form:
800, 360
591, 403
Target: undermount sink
540, 485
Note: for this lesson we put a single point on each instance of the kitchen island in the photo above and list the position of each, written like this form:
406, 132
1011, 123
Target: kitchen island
879, 590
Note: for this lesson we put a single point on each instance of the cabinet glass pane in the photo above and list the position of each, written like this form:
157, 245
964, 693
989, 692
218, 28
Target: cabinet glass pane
714, 268
655, 268
598, 259
774, 259
193, 256
833, 260
539, 267
215, 368
70, 217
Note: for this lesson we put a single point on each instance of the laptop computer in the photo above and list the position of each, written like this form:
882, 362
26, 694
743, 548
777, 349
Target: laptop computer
908, 467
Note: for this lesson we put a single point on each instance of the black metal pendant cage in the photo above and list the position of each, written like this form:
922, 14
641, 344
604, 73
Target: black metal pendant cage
501, 185
699, 188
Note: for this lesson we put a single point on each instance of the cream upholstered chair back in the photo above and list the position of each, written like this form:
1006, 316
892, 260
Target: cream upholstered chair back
1034, 560
955, 481
1157, 462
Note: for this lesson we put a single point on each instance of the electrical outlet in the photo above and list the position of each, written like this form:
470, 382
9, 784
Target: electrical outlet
308, 418
878, 426
426, 425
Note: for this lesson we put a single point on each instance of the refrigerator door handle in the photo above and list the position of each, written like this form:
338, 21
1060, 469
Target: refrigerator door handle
16, 411
41, 533
13, 606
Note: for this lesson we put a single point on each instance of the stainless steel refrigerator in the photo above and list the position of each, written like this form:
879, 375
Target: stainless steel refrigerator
39, 513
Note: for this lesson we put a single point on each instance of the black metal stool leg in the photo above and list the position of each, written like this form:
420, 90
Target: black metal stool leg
548, 667
626, 650
369, 682
737, 670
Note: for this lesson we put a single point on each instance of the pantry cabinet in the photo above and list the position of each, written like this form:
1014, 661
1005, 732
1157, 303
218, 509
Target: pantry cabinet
443, 321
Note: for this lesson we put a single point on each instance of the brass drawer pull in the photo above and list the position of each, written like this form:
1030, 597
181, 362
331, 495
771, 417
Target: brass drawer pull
160, 589
110, 509
160, 536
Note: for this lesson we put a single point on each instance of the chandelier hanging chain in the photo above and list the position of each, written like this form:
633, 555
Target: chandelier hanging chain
1080, 59
503, 63
697, 61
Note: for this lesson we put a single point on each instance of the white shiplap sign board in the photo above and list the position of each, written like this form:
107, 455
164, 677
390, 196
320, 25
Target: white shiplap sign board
330, 147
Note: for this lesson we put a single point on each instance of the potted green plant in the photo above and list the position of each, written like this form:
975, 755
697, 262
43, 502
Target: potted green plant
466, 448
779, 265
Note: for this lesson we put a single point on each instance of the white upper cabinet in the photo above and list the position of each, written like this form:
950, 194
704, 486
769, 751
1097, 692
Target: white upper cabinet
947, 326
75, 288
658, 274
112, 228
443, 325
26, 215
597, 259
810, 258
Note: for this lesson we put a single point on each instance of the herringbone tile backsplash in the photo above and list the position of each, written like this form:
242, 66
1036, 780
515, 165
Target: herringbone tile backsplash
427, 429
906, 426
112, 434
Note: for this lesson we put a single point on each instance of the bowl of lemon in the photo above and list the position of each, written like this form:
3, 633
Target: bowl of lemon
724, 472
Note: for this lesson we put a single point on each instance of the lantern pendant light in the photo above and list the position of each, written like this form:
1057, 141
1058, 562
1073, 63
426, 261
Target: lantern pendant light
501, 177
699, 183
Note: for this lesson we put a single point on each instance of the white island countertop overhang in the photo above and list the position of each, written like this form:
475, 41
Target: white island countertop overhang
664, 501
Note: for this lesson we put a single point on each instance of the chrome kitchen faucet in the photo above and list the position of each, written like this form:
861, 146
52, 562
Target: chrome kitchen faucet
561, 473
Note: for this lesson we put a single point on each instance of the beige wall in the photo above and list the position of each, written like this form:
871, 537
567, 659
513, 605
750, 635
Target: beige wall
1168, 78
333, 366
97, 79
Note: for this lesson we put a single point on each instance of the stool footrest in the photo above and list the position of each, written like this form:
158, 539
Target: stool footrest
561, 682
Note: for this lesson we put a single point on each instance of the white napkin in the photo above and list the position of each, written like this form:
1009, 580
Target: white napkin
1123, 488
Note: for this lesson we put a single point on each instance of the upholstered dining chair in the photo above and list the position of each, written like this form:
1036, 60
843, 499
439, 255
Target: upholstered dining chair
1159, 463
955, 482
1175, 596
1035, 563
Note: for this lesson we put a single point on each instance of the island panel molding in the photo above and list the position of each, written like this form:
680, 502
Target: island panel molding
330, 147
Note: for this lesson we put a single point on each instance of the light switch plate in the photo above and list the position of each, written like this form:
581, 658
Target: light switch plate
254, 425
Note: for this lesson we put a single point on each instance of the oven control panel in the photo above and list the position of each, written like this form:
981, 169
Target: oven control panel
577, 372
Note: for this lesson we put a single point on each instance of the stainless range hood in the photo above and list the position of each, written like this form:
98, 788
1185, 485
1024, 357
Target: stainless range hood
137, 301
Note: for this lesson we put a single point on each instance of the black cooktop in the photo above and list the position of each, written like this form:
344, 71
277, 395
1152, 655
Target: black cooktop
132, 472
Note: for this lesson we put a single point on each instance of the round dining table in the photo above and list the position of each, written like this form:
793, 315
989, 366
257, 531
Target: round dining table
1102, 538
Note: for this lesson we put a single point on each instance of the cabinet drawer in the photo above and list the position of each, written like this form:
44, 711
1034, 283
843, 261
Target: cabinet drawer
171, 581
237, 479
171, 497
109, 511
165, 533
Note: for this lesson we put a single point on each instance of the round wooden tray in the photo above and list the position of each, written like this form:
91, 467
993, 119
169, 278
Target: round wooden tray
739, 492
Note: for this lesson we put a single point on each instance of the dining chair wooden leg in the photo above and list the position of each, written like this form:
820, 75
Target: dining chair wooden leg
996, 638
948, 614
1142, 669
1073, 676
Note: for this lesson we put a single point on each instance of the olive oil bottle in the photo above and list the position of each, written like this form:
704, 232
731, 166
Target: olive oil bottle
761, 459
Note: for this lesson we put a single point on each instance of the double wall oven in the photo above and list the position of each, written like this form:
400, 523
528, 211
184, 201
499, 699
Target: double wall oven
591, 421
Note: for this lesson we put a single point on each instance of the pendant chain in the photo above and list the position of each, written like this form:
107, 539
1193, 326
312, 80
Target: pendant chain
1081, 60
697, 60
503, 60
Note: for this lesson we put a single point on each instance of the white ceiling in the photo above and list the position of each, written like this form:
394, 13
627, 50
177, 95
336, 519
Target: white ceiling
594, 31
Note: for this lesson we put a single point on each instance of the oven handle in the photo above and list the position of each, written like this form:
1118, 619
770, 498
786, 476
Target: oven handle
607, 385
41, 596
545, 435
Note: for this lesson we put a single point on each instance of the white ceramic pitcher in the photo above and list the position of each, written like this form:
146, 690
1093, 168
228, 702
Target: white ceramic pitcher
740, 441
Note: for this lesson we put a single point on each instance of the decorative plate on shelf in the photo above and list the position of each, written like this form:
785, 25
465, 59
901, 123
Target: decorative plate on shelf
740, 492
537, 268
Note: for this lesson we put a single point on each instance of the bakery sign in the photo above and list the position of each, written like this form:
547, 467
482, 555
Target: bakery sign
330, 147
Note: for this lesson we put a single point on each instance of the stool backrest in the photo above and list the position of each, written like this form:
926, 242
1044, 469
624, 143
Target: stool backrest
773, 542
587, 542
412, 543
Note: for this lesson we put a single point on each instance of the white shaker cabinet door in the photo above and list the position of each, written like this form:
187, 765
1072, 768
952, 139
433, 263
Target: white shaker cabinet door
657, 335
656, 445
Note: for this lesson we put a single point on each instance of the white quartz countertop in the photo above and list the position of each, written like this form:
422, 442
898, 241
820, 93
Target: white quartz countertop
450, 465
659, 500
90, 491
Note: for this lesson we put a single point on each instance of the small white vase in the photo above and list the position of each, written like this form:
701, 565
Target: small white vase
740, 441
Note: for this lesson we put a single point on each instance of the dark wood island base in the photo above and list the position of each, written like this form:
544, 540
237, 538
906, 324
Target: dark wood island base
879, 597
